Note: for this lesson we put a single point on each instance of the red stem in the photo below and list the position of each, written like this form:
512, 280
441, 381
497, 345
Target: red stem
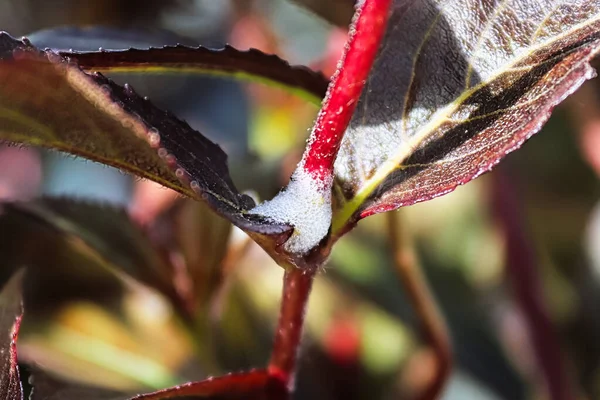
297, 284
522, 274
346, 86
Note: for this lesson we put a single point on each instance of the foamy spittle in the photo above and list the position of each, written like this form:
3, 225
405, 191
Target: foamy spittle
305, 204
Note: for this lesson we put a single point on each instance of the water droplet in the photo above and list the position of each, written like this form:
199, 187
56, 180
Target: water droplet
153, 137
171, 160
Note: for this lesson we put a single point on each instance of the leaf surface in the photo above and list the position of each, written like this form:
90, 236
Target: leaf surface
134, 51
48, 101
11, 311
456, 86
251, 65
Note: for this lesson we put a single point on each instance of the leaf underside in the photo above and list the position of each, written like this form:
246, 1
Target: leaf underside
456, 86
48, 101
11, 311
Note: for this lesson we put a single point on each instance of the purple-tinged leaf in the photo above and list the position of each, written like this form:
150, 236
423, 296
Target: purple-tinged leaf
457, 85
134, 51
252, 65
11, 312
48, 101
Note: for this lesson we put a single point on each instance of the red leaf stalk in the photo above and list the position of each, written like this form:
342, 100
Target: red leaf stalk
297, 284
345, 88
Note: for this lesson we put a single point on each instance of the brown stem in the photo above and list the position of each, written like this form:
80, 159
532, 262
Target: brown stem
297, 284
522, 275
432, 323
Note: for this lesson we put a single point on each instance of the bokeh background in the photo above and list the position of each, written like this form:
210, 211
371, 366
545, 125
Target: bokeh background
123, 330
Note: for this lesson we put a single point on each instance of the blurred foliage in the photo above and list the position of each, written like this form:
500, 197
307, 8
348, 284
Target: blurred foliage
202, 299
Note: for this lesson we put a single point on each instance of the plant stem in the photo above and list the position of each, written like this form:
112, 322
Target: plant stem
297, 284
345, 88
432, 323
522, 275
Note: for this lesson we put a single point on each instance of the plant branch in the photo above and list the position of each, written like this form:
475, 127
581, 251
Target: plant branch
345, 88
522, 275
297, 284
432, 323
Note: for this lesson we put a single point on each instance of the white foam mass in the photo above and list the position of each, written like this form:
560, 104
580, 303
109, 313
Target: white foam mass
306, 204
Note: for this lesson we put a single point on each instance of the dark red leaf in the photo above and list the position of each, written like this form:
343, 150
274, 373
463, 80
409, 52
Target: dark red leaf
456, 86
250, 64
48, 101
139, 51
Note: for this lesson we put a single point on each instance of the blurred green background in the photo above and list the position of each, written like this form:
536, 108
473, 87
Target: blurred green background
176, 294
